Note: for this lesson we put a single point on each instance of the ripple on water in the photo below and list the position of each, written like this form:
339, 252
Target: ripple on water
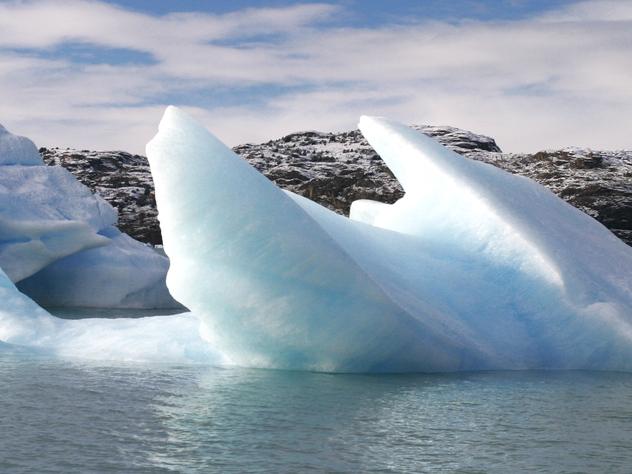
60, 416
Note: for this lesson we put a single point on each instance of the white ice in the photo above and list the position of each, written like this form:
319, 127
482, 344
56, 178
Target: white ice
472, 269
16, 150
59, 241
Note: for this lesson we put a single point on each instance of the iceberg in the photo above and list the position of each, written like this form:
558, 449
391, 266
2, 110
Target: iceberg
472, 269
60, 244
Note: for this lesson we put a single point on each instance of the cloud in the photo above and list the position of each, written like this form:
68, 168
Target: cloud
560, 78
592, 11
43, 23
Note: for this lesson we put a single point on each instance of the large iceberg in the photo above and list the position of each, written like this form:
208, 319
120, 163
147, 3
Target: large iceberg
60, 244
473, 268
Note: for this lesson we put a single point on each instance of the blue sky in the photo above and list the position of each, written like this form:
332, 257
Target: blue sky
534, 74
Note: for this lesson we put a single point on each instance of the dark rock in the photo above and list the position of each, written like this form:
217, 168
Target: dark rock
335, 169
124, 180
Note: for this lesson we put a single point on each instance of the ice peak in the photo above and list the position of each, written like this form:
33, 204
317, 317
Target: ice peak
17, 150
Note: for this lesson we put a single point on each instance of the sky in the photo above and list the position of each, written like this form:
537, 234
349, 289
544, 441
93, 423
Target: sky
533, 74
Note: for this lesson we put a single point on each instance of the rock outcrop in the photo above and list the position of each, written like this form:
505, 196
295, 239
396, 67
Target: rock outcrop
335, 169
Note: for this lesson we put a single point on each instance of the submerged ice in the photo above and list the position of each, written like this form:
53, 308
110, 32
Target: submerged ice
473, 268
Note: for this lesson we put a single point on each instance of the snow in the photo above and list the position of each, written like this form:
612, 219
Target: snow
472, 269
366, 210
59, 241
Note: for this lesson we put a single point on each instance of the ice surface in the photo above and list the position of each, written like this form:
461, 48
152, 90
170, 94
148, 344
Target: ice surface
45, 215
59, 241
365, 210
16, 150
472, 269
20, 317
173, 339
122, 274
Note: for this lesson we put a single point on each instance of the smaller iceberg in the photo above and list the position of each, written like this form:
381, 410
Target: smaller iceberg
472, 269
59, 242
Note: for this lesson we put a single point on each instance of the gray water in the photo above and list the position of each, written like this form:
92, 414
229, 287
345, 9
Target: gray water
70, 417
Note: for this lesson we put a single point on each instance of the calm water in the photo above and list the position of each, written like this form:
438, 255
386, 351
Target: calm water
67, 417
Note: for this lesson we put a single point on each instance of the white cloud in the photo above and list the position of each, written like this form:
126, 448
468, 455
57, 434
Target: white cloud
559, 79
603, 10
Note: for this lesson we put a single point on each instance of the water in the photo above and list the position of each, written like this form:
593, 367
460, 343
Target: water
71, 416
